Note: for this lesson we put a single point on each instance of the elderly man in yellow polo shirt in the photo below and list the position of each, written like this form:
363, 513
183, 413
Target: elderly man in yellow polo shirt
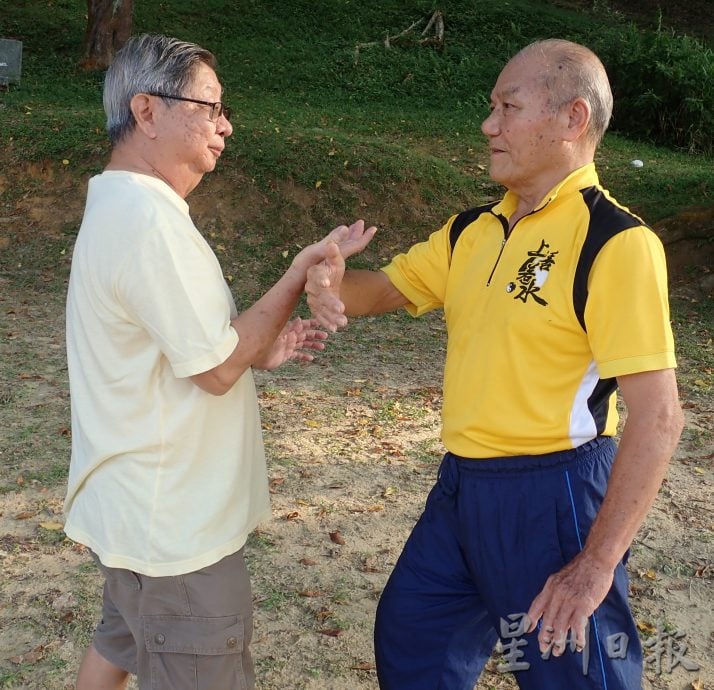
554, 297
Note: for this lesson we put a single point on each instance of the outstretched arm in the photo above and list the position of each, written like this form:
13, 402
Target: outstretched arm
651, 432
259, 326
333, 293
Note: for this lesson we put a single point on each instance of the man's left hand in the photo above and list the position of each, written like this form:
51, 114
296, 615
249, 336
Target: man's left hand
567, 600
294, 342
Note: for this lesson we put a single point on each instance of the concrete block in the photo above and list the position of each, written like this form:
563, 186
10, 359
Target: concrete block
10, 61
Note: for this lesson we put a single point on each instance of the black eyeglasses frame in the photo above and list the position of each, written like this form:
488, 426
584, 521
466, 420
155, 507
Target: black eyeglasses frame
217, 107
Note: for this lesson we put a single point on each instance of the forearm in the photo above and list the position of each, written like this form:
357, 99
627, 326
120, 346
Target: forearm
648, 441
369, 292
571, 595
257, 328
259, 325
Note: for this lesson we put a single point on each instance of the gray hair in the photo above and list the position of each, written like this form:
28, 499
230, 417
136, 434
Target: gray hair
573, 71
145, 64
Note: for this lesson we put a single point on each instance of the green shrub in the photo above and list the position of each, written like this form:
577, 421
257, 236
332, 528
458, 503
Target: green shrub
663, 86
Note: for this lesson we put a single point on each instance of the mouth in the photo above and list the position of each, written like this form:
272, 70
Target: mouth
216, 151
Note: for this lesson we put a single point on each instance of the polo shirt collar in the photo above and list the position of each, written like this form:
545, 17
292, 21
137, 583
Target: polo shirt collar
578, 179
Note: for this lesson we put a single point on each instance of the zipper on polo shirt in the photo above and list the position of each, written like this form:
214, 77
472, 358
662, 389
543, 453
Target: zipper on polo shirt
506, 234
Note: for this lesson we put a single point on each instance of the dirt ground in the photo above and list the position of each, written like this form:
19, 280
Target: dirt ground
353, 447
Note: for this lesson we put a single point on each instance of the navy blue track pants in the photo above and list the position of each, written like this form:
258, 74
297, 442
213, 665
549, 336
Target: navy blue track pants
491, 534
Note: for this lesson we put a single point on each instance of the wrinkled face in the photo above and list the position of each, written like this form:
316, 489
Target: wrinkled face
523, 130
192, 141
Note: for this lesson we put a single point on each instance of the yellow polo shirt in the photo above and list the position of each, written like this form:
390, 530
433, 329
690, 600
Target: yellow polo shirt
542, 319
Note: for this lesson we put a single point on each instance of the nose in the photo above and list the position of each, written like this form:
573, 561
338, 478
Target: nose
490, 126
224, 126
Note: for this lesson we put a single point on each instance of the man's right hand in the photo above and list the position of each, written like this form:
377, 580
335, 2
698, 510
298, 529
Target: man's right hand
323, 289
350, 240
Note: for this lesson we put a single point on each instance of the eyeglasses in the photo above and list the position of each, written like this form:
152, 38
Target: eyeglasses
217, 108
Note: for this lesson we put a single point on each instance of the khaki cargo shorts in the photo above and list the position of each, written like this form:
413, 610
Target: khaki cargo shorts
188, 632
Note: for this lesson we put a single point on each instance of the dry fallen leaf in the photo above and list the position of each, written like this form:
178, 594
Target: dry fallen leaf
52, 526
294, 515
275, 482
25, 515
307, 561
324, 613
30, 657
363, 666
337, 537
34, 656
646, 627
332, 632
310, 593
698, 684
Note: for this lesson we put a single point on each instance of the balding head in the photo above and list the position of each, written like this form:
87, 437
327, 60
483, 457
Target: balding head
572, 71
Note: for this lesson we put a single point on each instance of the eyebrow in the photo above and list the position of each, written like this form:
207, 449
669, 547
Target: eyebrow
507, 93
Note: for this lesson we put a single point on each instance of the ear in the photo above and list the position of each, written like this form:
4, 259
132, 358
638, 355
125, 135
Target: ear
578, 119
143, 108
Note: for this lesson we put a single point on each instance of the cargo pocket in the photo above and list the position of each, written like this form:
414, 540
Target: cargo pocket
194, 653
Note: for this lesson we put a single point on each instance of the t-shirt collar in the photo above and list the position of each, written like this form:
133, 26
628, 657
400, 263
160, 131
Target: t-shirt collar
155, 183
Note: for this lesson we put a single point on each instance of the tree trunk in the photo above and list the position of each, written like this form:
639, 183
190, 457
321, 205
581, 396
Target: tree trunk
108, 29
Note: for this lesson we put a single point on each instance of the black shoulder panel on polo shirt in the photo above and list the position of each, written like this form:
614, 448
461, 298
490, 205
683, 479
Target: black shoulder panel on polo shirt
607, 219
466, 218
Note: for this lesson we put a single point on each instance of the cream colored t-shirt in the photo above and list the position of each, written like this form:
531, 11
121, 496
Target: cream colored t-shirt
165, 478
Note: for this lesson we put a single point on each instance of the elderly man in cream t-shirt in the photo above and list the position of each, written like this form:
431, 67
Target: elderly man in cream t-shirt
168, 474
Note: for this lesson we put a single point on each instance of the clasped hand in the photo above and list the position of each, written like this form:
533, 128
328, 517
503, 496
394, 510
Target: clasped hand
325, 278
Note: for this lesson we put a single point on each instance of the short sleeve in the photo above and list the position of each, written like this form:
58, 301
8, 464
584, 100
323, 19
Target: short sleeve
422, 273
174, 289
627, 310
